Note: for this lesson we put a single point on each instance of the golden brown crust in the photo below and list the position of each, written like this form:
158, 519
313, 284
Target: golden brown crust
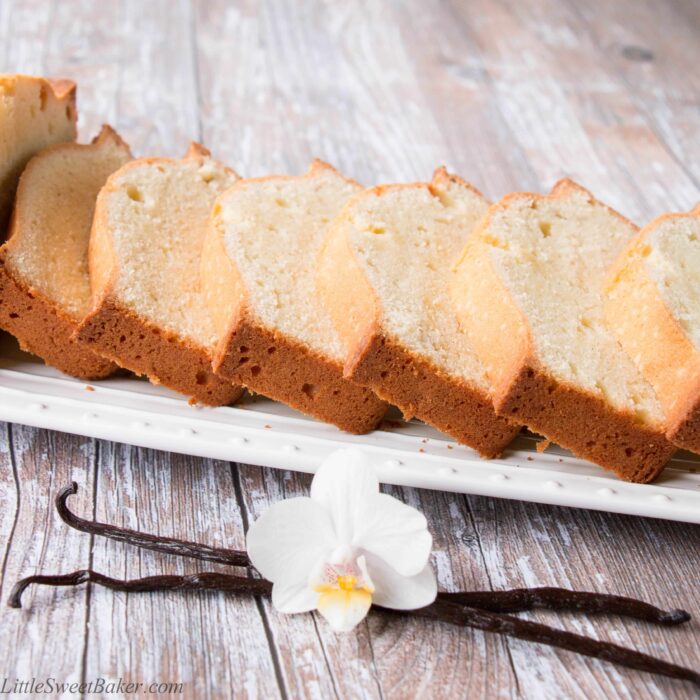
107, 133
585, 424
38, 323
285, 370
375, 360
524, 391
561, 189
317, 165
268, 362
344, 289
684, 425
654, 338
102, 262
196, 150
64, 89
441, 174
222, 285
486, 311
43, 330
564, 187
134, 342
420, 389
140, 346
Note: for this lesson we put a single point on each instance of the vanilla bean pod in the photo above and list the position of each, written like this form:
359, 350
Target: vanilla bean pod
168, 545
561, 599
207, 581
441, 610
462, 616
515, 600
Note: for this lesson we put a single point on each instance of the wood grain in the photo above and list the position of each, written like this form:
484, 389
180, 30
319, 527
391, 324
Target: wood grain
512, 95
42, 641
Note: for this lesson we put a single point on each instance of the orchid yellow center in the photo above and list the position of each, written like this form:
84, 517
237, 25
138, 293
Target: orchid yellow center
347, 583
344, 587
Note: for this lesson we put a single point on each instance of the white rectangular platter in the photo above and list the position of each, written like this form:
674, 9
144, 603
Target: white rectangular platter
262, 432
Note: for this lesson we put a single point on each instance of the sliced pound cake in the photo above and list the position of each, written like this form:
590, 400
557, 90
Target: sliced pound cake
528, 290
258, 273
44, 282
653, 305
34, 113
148, 312
384, 277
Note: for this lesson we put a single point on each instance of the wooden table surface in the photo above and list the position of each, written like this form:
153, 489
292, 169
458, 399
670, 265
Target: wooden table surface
511, 94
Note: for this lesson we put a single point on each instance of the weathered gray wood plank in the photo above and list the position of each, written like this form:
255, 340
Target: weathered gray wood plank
526, 544
85, 43
47, 637
32, 462
512, 96
205, 641
653, 50
570, 113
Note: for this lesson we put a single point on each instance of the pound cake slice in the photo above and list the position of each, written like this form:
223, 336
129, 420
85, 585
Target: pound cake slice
258, 272
148, 312
528, 290
653, 305
44, 282
383, 275
34, 113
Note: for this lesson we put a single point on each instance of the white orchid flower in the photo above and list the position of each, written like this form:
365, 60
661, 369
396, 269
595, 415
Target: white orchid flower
344, 548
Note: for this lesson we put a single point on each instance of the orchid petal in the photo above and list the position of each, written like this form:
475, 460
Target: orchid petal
364, 580
294, 598
323, 576
289, 539
344, 609
343, 485
401, 592
395, 532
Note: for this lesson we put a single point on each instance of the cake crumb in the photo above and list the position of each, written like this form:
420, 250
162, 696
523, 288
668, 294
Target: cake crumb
267, 426
542, 445
450, 447
424, 440
89, 388
420, 449
530, 459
